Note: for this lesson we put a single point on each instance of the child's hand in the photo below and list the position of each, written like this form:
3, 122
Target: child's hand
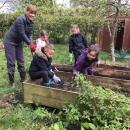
56, 69
56, 79
94, 72
74, 75
71, 57
98, 63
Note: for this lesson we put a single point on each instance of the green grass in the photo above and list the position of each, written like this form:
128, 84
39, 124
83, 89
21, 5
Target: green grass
61, 56
25, 114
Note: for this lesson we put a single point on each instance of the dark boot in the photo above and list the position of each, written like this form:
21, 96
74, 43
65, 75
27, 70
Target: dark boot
22, 76
11, 79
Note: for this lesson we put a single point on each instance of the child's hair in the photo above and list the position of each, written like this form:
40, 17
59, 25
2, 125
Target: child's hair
43, 32
74, 25
94, 48
47, 47
31, 8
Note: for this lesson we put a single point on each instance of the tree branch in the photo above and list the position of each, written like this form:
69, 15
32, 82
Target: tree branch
3, 4
113, 4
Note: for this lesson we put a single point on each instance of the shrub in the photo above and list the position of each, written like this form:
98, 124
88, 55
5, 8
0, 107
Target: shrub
99, 109
57, 21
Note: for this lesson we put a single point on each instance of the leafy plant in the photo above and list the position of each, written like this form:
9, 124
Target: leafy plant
102, 108
120, 54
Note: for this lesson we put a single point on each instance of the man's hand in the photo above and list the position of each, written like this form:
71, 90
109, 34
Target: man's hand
32, 47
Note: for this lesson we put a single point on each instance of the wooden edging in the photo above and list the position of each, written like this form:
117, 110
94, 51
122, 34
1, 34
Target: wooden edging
103, 70
52, 97
69, 67
113, 83
56, 98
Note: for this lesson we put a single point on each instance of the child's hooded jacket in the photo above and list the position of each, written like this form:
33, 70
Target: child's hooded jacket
83, 64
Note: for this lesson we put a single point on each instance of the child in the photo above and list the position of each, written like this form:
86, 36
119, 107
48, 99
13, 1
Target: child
41, 42
77, 42
85, 61
41, 67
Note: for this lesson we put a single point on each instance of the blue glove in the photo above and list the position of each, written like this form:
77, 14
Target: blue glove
49, 83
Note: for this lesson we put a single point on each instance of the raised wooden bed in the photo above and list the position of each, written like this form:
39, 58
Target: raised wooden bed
103, 70
118, 79
113, 83
52, 97
114, 67
105, 66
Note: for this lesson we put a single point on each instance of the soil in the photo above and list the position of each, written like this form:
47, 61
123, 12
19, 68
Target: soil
5, 101
9, 99
70, 86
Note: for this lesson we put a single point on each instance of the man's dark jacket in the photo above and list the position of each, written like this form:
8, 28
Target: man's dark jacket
20, 31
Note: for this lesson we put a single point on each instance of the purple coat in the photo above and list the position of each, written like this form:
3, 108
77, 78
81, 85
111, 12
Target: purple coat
83, 64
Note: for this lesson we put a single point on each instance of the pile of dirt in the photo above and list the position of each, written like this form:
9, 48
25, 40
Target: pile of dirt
5, 101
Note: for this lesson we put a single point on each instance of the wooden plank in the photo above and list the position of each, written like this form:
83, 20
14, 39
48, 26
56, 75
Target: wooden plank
67, 68
104, 39
103, 70
49, 92
61, 67
112, 73
113, 83
52, 97
36, 99
114, 67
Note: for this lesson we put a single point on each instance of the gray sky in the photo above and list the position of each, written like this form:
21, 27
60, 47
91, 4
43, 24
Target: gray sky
63, 2
8, 5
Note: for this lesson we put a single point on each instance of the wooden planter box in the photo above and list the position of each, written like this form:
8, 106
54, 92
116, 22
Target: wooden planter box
51, 97
105, 66
121, 85
116, 79
103, 70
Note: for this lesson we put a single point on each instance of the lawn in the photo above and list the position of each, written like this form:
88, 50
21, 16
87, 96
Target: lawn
61, 56
19, 117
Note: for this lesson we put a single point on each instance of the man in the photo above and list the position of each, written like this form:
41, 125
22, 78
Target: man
21, 31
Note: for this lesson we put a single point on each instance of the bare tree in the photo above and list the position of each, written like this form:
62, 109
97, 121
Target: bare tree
3, 4
110, 7
119, 7
113, 29
8, 5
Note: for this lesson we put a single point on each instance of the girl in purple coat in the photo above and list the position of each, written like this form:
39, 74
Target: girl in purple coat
85, 60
